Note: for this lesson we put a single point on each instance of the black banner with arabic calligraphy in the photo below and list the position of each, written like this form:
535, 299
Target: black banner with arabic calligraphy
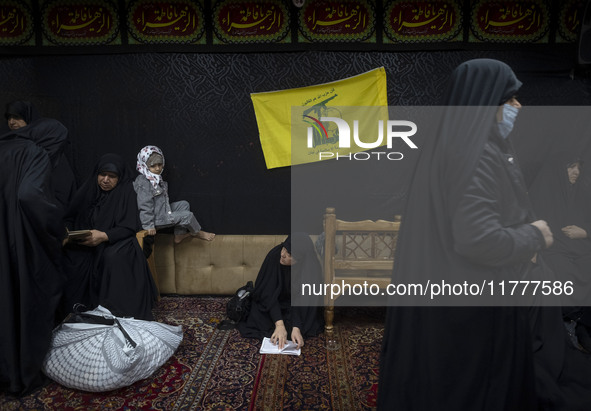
515, 22
326, 21
177, 22
67, 26
88, 23
251, 22
425, 21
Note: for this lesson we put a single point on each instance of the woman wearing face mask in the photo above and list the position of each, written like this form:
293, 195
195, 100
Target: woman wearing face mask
467, 219
561, 194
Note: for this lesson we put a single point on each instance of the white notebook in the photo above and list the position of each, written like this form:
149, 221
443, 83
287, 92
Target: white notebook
269, 348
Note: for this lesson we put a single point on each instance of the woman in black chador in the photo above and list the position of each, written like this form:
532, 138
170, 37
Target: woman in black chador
108, 267
561, 194
31, 234
24, 120
467, 219
272, 314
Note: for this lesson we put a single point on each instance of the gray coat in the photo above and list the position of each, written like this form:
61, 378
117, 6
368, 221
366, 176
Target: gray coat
154, 205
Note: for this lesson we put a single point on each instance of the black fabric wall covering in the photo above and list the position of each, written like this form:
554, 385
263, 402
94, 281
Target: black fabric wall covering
197, 108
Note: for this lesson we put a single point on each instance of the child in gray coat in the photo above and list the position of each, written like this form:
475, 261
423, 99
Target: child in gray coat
152, 198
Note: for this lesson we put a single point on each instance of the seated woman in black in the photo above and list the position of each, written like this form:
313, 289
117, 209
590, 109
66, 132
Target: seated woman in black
272, 314
108, 266
561, 195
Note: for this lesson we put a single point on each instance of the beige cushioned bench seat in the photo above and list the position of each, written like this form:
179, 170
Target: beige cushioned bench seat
217, 267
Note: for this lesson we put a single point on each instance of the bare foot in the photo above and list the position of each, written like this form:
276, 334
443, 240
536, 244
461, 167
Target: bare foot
180, 237
204, 235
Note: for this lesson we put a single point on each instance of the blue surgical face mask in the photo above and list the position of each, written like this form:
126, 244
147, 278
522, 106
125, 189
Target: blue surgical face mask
509, 116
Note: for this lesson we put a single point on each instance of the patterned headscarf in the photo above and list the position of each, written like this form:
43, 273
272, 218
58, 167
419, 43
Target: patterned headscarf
142, 166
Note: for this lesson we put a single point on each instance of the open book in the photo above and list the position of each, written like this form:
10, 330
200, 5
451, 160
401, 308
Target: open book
78, 234
269, 348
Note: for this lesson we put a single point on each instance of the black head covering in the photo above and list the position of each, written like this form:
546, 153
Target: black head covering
305, 270
561, 203
109, 167
299, 245
301, 248
23, 109
483, 85
47, 133
275, 288
481, 82
452, 149
425, 347
94, 208
287, 244
113, 163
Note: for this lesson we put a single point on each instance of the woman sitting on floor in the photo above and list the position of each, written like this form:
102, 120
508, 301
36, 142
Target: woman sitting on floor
108, 267
272, 314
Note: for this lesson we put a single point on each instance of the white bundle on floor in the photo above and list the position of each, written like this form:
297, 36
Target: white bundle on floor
103, 357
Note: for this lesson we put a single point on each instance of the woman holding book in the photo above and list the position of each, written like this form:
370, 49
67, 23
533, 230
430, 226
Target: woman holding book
272, 313
107, 267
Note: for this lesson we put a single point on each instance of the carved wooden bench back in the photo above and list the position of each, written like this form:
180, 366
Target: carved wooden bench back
356, 252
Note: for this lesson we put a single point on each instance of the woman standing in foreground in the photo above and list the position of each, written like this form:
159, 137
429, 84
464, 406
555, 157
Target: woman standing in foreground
31, 232
467, 218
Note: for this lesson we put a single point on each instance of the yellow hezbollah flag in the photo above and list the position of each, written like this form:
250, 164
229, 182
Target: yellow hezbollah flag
350, 98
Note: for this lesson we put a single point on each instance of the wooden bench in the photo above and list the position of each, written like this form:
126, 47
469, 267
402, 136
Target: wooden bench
355, 253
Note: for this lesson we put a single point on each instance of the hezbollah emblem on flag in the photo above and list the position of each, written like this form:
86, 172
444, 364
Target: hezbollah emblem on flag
298, 125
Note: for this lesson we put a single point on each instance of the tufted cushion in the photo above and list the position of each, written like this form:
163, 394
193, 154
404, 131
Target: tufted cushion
219, 267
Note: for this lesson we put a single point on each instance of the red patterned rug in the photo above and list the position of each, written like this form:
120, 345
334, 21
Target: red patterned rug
220, 370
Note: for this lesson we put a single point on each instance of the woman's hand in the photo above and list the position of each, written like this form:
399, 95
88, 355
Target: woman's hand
296, 337
574, 232
151, 231
545, 230
279, 336
95, 238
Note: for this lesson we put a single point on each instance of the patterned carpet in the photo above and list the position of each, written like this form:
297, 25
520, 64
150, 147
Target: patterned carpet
219, 370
